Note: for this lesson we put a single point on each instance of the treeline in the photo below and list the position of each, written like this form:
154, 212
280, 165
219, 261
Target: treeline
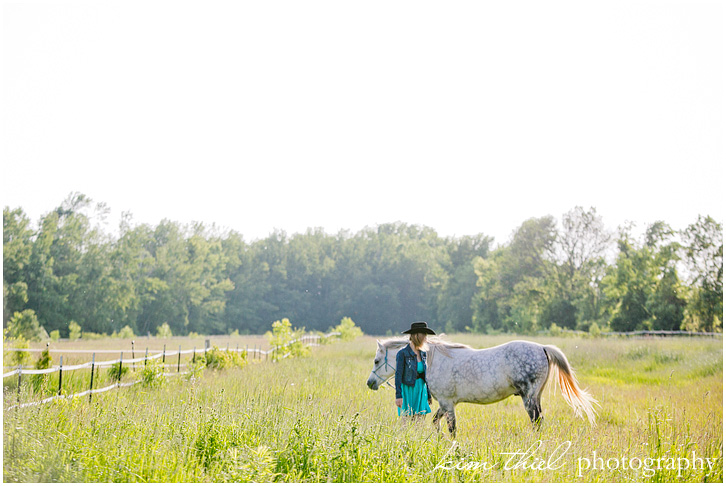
574, 274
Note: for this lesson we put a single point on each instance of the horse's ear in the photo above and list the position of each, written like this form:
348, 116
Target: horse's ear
379, 343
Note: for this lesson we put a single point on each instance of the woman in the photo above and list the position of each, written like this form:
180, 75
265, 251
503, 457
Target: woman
412, 395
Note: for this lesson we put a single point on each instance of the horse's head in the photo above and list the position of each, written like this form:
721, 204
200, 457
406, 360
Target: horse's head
384, 366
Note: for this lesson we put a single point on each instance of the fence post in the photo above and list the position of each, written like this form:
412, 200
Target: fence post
60, 375
90, 387
146, 355
120, 366
206, 347
194, 355
178, 360
20, 379
163, 355
133, 365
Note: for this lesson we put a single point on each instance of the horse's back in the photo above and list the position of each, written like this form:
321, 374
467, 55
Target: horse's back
527, 362
492, 374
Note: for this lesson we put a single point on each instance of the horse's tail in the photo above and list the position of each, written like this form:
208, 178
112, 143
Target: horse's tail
579, 399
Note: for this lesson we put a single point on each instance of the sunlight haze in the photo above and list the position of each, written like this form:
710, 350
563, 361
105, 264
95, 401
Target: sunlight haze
469, 117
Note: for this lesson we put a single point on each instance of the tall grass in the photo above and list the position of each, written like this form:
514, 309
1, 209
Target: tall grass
312, 419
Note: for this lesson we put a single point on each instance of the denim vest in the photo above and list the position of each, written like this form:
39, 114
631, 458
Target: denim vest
406, 368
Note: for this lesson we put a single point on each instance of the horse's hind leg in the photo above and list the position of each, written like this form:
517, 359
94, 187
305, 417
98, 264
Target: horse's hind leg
531, 397
529, 386
534, 409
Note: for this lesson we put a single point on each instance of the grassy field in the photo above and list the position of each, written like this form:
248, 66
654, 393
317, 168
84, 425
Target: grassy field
313, 419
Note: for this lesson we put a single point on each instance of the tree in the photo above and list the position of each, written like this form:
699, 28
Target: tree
456, 295
17, 248
455, 299
24, 325
643, 288
66, 274
125, 333
199, 279
248, 306
579, 252
347, 329
74, 331
516, 284
704, 254
164, 331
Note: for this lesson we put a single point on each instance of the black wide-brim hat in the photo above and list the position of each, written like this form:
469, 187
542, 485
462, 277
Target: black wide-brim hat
419, 327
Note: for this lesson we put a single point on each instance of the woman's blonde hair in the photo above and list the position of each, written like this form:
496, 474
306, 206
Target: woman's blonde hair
418, 339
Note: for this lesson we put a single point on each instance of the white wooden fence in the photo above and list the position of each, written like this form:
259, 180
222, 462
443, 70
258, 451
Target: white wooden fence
309, 340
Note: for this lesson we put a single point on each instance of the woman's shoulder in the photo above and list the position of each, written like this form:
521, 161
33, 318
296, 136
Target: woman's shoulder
403, 350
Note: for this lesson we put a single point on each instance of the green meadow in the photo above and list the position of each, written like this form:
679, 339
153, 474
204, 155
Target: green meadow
312, 419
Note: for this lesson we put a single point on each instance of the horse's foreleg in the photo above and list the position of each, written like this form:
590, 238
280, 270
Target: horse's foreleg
446, 408
451, 419
437, 417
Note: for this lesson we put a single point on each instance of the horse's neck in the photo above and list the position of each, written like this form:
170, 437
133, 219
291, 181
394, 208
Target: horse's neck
434, 357
395, 349
439, 354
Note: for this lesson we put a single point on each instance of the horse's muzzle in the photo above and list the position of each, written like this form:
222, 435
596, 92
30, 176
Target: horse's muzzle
372, 384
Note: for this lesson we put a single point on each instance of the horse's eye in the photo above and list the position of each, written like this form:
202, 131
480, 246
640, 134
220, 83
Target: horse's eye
377, 361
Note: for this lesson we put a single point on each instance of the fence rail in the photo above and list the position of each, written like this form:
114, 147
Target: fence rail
159, 354
74, 395
664, 333
93, 364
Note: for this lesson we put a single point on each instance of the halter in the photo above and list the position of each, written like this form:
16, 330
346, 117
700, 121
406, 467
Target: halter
385, 363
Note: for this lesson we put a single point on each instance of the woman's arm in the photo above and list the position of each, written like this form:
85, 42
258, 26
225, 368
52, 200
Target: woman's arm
400, 363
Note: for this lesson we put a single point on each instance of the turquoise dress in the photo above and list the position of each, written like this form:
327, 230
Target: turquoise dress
415, 398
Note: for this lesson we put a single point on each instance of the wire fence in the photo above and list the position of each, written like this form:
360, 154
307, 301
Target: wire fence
309, 340
256, 353
665, 333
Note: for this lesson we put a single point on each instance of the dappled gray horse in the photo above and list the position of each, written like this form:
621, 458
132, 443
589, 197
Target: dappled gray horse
457, 373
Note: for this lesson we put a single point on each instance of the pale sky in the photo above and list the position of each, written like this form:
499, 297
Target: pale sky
468, 117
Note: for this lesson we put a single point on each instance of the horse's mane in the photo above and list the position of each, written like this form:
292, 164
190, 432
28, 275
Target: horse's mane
441, 342
437, 342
